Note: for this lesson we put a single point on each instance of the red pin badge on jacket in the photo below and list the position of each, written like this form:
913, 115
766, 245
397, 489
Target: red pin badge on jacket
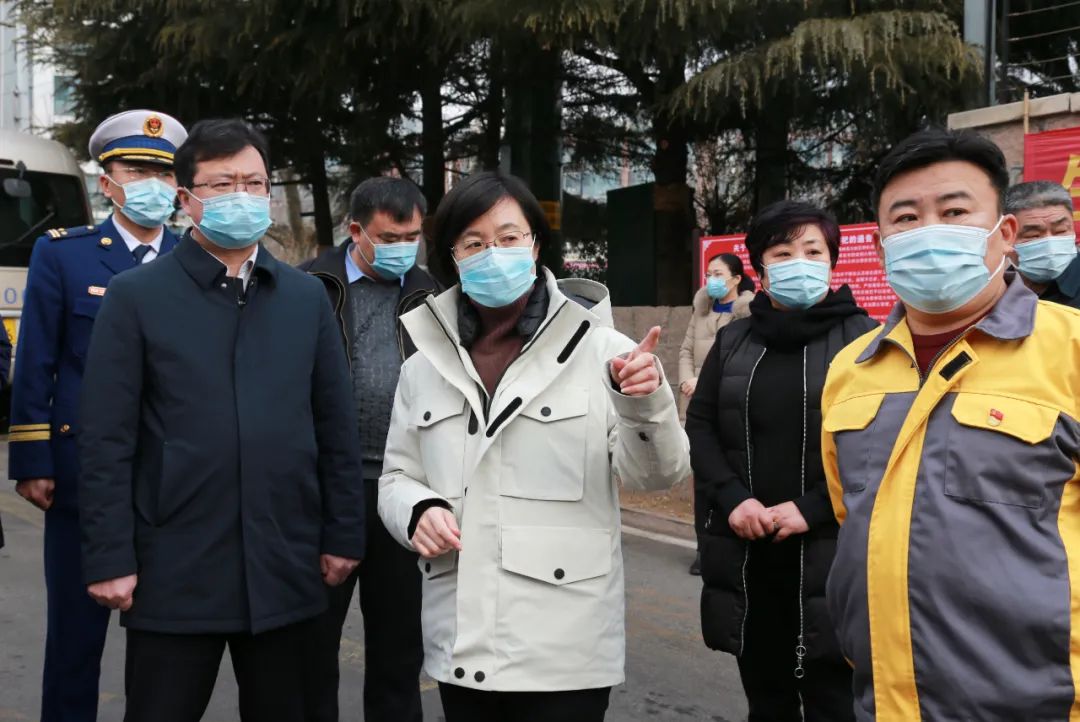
996, 417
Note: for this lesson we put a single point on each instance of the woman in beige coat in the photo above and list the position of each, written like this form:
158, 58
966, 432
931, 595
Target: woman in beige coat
512, 421
726, 296
716, 304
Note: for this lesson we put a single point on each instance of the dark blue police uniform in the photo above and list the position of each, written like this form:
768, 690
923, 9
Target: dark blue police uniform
69, 274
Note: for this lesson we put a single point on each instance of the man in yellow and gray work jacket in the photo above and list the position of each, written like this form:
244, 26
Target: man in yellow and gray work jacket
951, 440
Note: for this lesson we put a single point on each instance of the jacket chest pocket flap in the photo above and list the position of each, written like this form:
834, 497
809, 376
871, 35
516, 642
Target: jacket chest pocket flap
556, 555
993, 447
545, 447
83, 312
440, 423
849, 422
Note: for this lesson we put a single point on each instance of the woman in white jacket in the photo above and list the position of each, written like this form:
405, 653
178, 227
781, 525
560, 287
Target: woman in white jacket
513, 421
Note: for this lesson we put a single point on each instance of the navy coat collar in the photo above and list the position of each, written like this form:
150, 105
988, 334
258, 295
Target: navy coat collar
208, 271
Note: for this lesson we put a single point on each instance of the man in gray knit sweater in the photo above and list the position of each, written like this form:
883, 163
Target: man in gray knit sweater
372, 280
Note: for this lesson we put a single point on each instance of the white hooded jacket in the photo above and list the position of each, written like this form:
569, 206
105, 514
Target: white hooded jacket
535, 599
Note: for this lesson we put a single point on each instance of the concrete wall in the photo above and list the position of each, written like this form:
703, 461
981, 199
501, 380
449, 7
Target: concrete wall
635, 322
1004, 124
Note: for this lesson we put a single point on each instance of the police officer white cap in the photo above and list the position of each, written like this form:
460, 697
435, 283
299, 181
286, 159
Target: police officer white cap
140, 135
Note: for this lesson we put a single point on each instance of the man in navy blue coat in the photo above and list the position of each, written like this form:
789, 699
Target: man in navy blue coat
70, 270
221, 488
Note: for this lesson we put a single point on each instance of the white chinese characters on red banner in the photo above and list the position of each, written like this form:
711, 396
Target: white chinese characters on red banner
859, 266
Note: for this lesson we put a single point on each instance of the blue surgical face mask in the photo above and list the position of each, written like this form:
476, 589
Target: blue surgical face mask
1045, 259
939, 268
717, 288
147, 203
798, 283
235, 220
497, 277
392, 260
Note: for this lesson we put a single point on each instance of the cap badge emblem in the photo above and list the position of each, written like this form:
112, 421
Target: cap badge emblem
153, 127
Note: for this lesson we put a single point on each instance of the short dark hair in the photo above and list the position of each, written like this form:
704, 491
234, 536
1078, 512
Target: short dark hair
398, 198
1037, 194
467, 201
217, 138
780, 223
937, 145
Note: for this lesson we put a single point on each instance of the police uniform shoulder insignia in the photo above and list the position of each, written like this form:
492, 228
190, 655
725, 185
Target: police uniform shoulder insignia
59, 233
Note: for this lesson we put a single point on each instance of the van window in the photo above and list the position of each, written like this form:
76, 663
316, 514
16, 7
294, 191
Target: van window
55, 201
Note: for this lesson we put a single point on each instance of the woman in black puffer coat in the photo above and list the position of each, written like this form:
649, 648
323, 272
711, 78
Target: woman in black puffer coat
754, 424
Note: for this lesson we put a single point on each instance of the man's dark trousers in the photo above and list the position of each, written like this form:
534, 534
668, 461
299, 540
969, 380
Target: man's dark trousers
77, 625
171, 677
389, 582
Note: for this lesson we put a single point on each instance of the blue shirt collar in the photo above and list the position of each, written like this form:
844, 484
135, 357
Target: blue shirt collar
353, 272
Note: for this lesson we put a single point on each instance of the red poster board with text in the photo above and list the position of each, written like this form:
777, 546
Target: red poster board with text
858, 267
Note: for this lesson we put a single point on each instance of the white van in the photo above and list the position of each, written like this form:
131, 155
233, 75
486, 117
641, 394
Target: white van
41, 187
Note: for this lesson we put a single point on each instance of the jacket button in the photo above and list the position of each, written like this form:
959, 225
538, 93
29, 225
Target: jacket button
546, 411
459, 672
559, 574
427, 567
65, 428
479, 677
427, 416
643, 436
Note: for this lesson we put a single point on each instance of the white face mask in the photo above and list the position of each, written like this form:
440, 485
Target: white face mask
1044, 259
939, 268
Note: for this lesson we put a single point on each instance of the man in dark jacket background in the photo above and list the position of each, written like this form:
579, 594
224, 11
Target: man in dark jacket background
221, 487
1046, 242
372, 280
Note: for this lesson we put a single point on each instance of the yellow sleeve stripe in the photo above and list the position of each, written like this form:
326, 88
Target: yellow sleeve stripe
28, 427
28, 436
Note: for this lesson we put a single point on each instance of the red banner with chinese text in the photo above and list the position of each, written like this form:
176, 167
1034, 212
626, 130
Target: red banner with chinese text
1055, 156
858, 267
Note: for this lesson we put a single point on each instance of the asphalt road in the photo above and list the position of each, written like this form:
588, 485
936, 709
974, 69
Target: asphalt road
671, 676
